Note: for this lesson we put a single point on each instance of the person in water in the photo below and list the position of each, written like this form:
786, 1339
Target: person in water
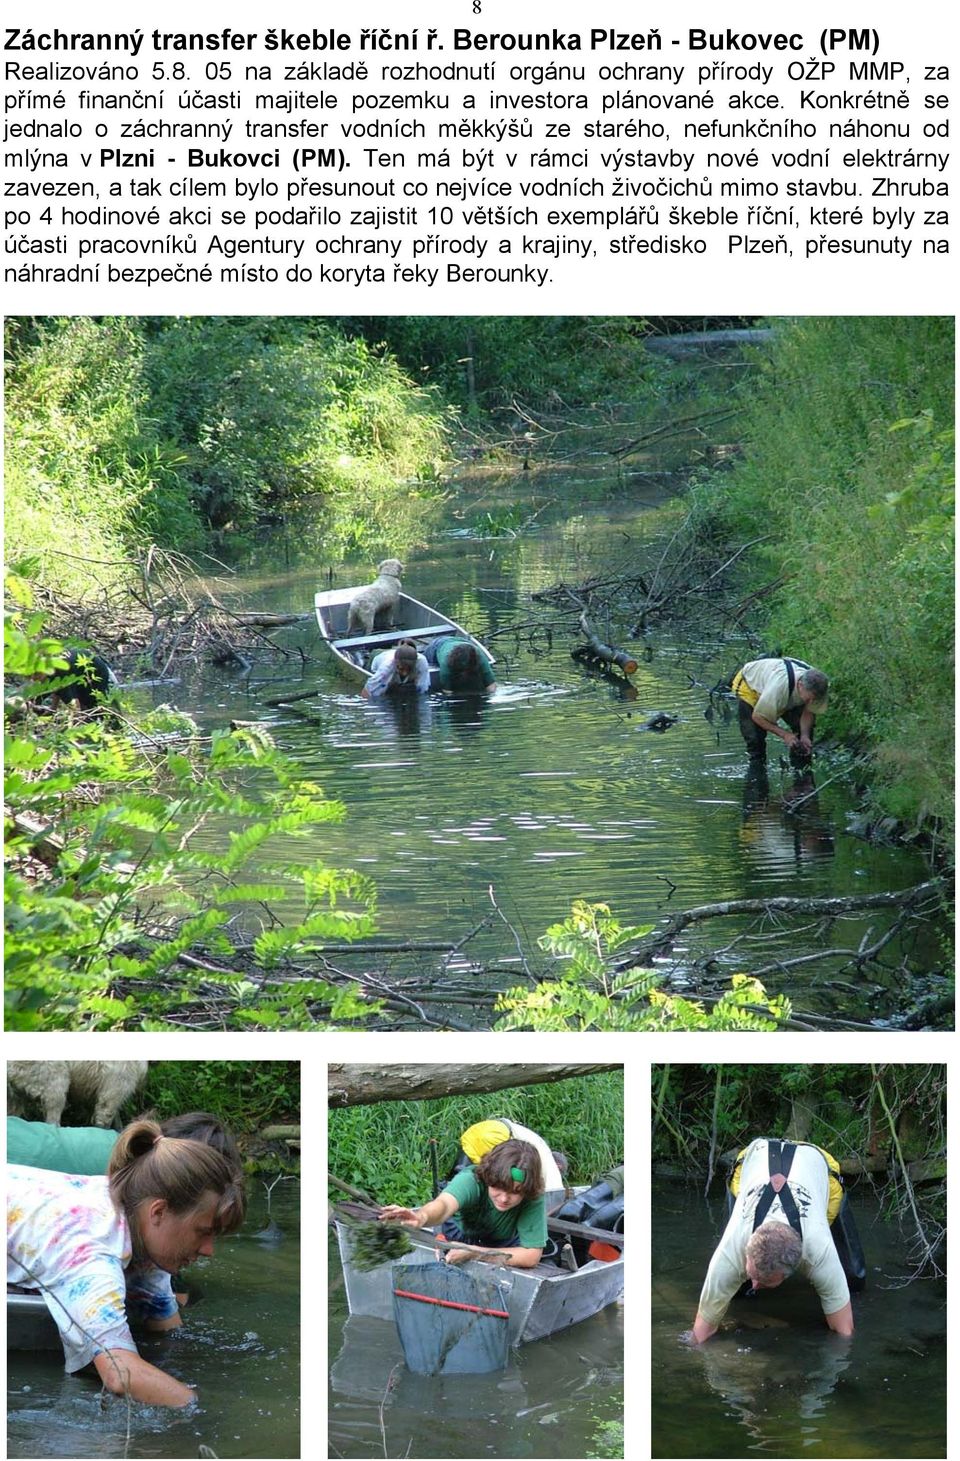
87, 1149
462, 668
771, 690
780, 1224
496, 1204
102, 1250
401, 668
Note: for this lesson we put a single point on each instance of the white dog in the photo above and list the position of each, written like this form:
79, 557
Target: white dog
103, 1085
377, 601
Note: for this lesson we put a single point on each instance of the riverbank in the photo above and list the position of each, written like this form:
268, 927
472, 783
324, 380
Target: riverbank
845, 472
194, 434
626, 788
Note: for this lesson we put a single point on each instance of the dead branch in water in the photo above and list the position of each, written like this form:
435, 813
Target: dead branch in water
680, 580
161, 612
404, 989
657, 942
596, 652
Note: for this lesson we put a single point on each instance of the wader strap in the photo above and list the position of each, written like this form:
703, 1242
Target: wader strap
780, 1155
791, 666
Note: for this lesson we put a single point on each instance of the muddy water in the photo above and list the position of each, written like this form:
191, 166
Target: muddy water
774, 1381
554, 789
552, 1400
240, 1346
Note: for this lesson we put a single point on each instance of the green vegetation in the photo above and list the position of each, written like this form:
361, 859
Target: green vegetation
122, 432
246, 1094
192, 432
848, 471
607, 1440
81, 477
586, 995
373, 1244
108, 887
385, 1149
484, 363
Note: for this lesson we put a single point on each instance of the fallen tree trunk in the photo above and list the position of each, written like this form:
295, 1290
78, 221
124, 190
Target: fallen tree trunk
266, 621
365, 1085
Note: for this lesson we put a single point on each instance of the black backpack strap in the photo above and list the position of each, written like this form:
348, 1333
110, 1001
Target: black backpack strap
780, 1155
791, 666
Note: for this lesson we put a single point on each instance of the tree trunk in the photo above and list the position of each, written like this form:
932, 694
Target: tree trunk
266, 620
802, 1111
365, 1085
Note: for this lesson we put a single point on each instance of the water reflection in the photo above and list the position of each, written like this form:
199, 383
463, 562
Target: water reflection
557, 765
549, 1401
771, 1378
785, 826
401, 717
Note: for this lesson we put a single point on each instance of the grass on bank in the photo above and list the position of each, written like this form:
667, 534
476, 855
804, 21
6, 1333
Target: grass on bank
385, 1149
186, 432
848, 471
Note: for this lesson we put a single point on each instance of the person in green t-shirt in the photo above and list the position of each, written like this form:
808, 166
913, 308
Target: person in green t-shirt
86, 1149
496, 1204
462, 668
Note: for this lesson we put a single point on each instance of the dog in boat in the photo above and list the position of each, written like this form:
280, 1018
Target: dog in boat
376, 602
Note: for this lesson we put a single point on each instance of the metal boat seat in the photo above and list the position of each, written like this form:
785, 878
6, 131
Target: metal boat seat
390, 635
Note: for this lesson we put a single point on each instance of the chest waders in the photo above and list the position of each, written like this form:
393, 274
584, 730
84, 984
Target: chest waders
843, 1229
780, 1155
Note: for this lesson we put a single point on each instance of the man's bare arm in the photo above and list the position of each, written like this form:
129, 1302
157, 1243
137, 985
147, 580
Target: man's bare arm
841, 1320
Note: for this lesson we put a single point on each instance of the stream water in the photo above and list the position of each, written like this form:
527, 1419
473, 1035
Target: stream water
774, 1380
240, 1346
554, 789
552, 1400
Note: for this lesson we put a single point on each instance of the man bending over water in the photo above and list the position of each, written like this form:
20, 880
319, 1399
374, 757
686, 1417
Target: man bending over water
779, 1225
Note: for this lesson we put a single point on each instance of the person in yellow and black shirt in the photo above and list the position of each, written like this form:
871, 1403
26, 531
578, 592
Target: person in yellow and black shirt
774, 690
787, 1194
496, 1204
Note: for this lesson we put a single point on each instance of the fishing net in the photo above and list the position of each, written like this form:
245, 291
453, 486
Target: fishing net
450, 1322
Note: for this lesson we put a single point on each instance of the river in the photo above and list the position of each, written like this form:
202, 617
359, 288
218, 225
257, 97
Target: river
555, 789
793, 1389
554, 1398
239, 1346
